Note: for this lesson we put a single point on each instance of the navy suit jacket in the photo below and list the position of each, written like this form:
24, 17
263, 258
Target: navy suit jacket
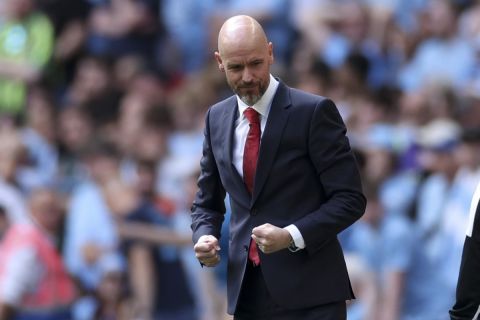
306, 175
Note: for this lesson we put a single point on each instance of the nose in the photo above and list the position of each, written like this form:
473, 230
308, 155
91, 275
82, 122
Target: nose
247, 76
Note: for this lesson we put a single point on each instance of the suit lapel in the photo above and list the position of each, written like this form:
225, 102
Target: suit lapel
277, 118
230, 115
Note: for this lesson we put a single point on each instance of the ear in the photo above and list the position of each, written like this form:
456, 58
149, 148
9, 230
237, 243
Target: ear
219, 61
270, 53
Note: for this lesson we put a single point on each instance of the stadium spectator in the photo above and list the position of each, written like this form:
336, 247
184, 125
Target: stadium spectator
27, 41
34, 283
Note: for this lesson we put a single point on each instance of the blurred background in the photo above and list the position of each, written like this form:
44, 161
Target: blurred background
102, 104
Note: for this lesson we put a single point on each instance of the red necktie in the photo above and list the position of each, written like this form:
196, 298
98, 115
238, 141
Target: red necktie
250, 157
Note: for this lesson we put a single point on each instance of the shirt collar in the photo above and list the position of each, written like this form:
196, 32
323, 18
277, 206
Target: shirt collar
263, 105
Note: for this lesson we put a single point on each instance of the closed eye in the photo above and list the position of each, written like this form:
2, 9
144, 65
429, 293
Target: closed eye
234, 67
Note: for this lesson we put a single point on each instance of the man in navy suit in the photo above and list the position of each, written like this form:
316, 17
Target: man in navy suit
284, 159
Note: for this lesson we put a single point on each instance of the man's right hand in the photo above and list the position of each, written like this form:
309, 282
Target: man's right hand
206, 250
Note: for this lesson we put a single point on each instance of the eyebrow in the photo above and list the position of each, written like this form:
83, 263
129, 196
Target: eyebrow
232, 65
239, 64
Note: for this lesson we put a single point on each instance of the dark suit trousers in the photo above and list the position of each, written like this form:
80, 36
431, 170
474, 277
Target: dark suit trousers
255, 303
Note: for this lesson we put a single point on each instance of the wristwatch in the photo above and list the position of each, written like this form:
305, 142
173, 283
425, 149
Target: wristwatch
292, 247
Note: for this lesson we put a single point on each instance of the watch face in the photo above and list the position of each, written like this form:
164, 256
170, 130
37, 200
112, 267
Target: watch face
292, 247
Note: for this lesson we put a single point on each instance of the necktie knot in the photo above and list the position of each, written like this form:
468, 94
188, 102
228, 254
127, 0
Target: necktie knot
252, 115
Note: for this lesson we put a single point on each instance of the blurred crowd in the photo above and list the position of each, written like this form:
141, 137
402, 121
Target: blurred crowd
102, 105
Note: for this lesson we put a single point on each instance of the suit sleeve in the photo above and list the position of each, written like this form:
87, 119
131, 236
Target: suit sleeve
208, 208
335, 165
467, 305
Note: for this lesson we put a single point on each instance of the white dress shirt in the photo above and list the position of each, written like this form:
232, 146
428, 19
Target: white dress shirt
241, 130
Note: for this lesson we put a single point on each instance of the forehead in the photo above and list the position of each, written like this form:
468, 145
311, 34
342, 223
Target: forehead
237, 50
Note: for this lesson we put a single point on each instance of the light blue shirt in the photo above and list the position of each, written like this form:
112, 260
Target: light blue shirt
428, 294
449, 61
88, 221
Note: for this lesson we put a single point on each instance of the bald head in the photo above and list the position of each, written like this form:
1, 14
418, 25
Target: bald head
241, 30
245, 55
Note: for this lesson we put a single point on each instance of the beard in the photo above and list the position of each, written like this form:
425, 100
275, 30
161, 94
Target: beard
250, 98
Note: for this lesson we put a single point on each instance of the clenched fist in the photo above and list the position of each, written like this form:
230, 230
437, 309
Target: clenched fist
270, 239
206, 250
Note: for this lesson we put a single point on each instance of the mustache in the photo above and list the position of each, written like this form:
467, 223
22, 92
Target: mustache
247, 85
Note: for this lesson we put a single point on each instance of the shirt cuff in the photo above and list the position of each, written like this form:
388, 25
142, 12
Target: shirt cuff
296, 236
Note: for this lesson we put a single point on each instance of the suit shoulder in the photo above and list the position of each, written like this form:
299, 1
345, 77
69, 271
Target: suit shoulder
305, 99
220, 106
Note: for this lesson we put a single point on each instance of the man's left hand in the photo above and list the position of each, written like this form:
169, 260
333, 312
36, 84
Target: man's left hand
270, 238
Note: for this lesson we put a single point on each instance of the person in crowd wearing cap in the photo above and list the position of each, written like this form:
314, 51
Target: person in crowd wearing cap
34, 283
427, 288
283, 157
